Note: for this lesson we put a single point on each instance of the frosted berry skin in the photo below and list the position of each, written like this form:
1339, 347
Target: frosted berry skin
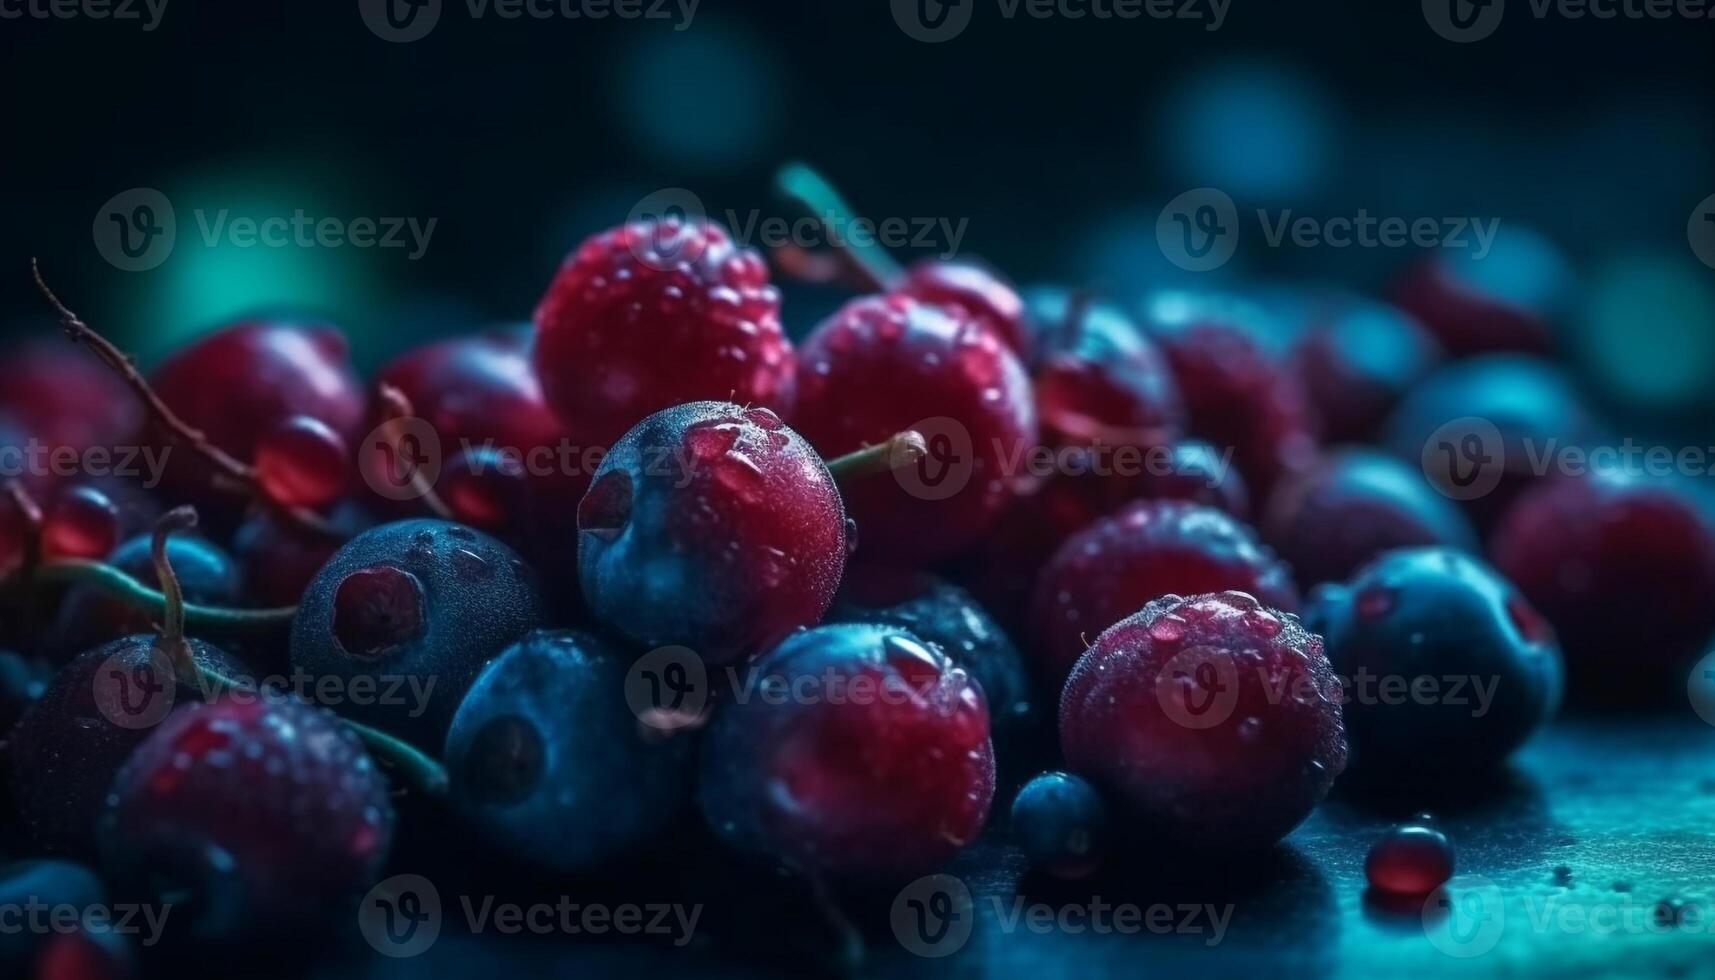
269, 811
413, 601
1409, 861
982, 294
1109, 570
883, 364
64, 751
248, 379
1354, 505
1505, 301
652, 314
548, 761
1474, 669
1624, 567
947, 616
1061, 824
714, 527
1356, 360
1237, 392
880, 767
1212, 722
1531, 403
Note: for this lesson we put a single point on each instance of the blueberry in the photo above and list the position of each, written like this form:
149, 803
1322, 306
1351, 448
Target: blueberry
1061, 823
416, 607
549, 763
1448, 664
89, 616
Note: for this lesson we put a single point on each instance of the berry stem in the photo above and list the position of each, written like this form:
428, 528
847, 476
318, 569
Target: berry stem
868, 261
397, 407
229, 470
902, 450
116, 582
173, 613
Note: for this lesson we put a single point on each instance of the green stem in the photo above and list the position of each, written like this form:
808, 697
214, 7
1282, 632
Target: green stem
118, 583
811, 190
903, 450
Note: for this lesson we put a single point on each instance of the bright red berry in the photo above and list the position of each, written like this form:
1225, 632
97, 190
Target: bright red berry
1114, 567
884, 364
1409, 861
80, 522
302, 463
1214, 720
654, 314
982, 294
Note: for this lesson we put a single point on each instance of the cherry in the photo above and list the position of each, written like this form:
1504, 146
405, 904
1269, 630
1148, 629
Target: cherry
80, 522
1409, 861
947, 616
1111, 569
711, 526
1532, 404
1061, 824
1624, 567
63, 397
1449, 667
1238, 394
883, 365
547, 760
1098, 379
90, 717
267, 810
475, 391
241, 383
1212, 721
980, 292
416, 606
1353, 505
655, 313
1505, 301
1357, 359
877, 764
302, 463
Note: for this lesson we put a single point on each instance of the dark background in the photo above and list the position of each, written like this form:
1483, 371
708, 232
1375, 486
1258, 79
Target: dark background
1058, 139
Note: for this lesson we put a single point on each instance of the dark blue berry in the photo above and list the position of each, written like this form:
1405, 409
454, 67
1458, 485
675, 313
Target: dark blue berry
549, 763
1061, 824
422, 600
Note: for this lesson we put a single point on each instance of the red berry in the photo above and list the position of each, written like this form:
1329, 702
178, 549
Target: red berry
302, 463
1504, 301
714, 527
245, 381
878, 765
80, 522
1098, 379
268, 809
654, 314
1111, 569
477, 391
1409, 861
1624, 569
982, 294
1238, 394
62, 396
884, 364
1357, 359
1213, 720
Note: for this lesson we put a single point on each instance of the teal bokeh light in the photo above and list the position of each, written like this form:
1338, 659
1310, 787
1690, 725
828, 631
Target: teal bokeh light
1648, 329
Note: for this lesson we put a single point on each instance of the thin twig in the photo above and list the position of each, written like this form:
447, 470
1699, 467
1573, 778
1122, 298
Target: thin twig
396, 407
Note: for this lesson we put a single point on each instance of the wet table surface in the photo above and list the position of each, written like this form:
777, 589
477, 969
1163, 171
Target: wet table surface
1563, 860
